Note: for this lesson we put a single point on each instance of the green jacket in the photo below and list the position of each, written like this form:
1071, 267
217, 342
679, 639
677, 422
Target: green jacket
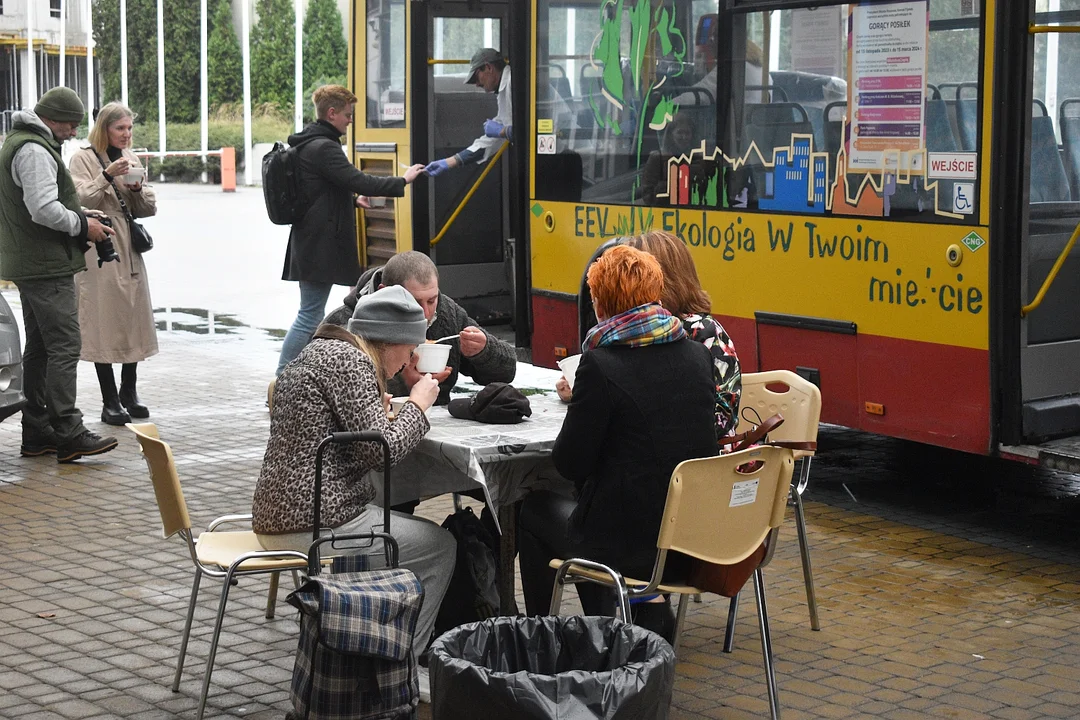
29, 251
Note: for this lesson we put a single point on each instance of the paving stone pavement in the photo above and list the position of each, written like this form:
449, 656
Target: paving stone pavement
934, 603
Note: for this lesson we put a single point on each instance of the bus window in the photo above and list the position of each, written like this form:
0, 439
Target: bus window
385, 64
606, 88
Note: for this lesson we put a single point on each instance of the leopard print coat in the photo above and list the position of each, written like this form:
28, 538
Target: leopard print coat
330, 387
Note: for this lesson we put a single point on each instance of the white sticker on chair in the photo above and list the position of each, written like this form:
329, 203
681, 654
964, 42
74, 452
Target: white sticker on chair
743, 493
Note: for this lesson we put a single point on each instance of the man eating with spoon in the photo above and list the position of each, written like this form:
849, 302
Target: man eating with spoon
483, 357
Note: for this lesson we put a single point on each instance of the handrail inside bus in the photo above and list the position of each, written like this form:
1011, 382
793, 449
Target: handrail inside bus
1036, 29
457, 211
1052, 275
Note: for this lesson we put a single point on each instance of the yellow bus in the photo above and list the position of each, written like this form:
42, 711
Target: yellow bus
880, 196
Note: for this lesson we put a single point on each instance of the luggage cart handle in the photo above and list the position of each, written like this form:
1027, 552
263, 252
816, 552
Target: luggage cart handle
340, 438
389, 542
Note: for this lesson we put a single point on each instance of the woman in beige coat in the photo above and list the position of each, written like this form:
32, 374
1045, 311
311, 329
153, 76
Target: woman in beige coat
115, 313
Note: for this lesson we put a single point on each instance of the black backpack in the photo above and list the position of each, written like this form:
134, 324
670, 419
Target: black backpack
285, 199
473, 593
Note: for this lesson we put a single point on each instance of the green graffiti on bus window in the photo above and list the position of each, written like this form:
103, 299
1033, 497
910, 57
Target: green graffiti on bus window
622, 104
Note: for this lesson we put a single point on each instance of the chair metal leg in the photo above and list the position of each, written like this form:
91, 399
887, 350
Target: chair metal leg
766, 644
214, 642
187, 630
296, 579
729, 631
271, 595
804, 547
680, 616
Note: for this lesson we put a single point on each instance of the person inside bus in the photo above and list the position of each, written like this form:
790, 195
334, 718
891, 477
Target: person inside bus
488, 69
679, 138
642, 403
483, 357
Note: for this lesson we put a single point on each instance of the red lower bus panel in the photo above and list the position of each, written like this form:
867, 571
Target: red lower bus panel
554, 325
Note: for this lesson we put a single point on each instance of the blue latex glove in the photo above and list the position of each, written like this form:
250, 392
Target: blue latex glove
493, 128
437, 168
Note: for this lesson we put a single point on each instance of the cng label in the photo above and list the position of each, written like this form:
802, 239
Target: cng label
973, 241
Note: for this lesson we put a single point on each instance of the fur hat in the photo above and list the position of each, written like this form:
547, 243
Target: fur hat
60, 104
389, 315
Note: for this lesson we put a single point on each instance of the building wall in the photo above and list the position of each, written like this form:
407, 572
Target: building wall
46, 30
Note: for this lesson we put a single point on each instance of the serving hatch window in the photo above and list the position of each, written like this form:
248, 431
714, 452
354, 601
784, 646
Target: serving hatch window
852, 108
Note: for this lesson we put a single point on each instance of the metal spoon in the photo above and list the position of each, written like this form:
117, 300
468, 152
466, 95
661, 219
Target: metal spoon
448, 337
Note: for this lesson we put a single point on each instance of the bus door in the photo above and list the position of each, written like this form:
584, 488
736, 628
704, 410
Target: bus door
1049, 263
464, 214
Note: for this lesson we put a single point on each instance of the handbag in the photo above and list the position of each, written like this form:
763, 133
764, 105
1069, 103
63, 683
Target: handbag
141, 241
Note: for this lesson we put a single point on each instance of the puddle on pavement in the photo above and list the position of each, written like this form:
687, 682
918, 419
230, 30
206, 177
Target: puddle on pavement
200, 321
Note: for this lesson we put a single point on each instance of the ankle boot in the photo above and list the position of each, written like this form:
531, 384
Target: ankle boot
113, 412
130, 399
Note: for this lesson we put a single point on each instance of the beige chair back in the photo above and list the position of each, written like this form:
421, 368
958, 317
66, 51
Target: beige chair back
159, 460
720, 509
800, 404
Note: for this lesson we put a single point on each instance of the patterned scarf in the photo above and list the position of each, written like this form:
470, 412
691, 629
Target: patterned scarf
647, 324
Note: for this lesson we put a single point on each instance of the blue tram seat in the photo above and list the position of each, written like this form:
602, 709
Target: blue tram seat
967, 117
1069, 126
833, 120
939, 134
1048, 181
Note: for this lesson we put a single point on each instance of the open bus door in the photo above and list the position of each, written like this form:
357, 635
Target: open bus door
419, 109
1040, 277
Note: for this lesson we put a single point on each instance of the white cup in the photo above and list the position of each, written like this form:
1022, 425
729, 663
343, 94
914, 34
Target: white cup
397, 403
569, 368
134, 175
433, 357
376, 202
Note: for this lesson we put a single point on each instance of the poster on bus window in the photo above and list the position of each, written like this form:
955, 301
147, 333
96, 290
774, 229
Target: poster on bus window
887, 73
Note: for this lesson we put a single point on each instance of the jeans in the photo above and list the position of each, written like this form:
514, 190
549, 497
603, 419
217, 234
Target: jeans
51, 357
423, 547
313, 296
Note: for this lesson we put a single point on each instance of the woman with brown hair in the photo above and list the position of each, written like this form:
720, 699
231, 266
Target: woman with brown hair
116, 317
684, 297
642, 403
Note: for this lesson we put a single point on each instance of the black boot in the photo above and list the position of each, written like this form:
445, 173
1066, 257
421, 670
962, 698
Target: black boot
128, 396
657, 617
113, 412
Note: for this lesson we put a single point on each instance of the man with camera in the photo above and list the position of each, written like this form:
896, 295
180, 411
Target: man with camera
43, 234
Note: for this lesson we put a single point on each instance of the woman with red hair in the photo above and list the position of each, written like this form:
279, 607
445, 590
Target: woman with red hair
642, 403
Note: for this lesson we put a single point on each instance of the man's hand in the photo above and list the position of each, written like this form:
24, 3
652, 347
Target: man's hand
494, 129
413, 172
473, 340
118, 167
410, 375
562, 387
96, 231
440, 166
363, 202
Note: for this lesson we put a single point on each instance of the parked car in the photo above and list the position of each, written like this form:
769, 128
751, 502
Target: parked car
11, 374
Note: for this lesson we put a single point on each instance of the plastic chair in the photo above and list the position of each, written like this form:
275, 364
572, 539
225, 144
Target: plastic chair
799, 401
223, 555
702, 519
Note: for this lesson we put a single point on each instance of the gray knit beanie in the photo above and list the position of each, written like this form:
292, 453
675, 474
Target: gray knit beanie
389, 315
60, 104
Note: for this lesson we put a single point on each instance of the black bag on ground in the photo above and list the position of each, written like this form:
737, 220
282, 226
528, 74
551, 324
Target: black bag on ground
473, 593
284, 197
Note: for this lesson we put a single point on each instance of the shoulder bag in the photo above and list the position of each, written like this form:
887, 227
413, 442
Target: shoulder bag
141, 241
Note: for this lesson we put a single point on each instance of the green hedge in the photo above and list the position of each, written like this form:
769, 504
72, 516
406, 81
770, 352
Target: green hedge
187, 136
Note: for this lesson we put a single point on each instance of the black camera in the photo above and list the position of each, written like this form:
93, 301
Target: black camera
106, 252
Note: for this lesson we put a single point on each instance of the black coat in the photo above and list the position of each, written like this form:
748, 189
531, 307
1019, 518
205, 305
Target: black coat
322, 246
635, 414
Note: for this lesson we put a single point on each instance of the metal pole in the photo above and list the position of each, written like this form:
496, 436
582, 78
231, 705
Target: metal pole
31, 70
298, 100
245, 27
63, 42
123, 54
89, 58
161, 77
204, 92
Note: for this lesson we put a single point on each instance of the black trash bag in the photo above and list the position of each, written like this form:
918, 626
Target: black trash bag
540, 668
473, 593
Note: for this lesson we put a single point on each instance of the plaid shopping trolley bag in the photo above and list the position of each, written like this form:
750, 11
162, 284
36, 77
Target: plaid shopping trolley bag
354, 660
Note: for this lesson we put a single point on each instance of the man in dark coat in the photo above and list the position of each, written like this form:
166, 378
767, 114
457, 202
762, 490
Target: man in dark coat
322, 245
483, 357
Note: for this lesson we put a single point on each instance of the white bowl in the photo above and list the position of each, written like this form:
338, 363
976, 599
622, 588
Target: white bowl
397, 403
134, 175
433, 357
569, 368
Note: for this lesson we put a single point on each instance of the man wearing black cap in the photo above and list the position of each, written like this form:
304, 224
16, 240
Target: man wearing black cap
43, 235
488, 69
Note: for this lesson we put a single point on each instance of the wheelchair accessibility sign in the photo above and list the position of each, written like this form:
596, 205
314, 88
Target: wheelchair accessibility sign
963, 199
